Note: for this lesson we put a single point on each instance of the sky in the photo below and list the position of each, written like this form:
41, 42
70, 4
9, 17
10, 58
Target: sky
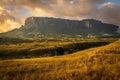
115, 1
14, 12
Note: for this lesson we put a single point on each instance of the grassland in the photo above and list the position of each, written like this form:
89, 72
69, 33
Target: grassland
51, 47
100, 63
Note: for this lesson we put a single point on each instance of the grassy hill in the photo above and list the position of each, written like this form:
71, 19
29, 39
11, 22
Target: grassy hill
100, 63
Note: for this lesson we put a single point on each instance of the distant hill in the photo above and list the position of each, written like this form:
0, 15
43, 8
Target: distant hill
43, 26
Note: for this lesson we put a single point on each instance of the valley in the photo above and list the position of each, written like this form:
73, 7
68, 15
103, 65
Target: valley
28, 48
99, 63
59, 39
60, 49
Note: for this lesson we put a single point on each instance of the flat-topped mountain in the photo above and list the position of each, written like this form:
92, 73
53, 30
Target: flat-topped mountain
40, 26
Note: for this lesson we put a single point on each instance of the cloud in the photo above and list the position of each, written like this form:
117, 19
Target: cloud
56, 8
7, 22
110, 12
71, 9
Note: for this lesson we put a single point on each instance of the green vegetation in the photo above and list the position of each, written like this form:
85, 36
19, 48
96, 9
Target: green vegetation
8, 40
59, 49
48, 48
100, 63
45, 26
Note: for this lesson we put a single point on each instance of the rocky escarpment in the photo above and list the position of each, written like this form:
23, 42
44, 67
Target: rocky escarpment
36, 26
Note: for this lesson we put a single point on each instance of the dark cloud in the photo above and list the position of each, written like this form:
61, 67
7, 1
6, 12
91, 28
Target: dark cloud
110, 12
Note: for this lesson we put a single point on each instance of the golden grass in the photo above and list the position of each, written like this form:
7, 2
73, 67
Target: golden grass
32, 45
102, 63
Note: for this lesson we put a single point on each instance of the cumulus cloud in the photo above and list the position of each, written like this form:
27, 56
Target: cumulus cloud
71, 9
60, 8
7, 21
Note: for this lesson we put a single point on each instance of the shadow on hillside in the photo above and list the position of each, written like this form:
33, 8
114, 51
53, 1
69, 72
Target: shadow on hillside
55, 51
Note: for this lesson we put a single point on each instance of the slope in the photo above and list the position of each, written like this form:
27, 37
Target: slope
100, 63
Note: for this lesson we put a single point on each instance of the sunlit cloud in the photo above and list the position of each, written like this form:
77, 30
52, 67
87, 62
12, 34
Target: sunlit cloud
18, 10
8, 25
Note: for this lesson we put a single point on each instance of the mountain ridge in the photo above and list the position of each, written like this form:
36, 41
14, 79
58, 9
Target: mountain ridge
37, 26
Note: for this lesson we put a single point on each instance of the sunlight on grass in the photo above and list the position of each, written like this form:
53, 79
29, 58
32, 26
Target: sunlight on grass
101, 63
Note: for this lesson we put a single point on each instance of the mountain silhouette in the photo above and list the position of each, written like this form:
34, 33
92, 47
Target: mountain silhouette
42, 26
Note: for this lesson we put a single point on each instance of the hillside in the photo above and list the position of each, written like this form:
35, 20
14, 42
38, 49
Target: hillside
100, 63
43, 26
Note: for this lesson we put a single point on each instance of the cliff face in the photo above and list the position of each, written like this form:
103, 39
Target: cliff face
45, 26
